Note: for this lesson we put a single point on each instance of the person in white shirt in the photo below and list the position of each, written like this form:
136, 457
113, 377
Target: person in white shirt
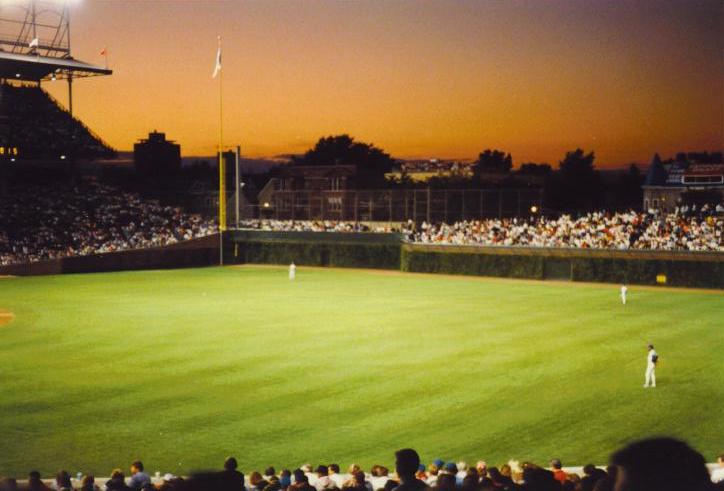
334, 474
717, 475
651, 359
292, 271
623, 294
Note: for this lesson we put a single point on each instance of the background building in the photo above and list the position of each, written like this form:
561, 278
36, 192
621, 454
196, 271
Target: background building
157, 156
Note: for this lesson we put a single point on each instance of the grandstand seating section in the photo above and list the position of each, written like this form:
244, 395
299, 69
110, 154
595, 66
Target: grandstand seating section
32, 121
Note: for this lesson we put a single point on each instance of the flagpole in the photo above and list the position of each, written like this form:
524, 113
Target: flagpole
222, 170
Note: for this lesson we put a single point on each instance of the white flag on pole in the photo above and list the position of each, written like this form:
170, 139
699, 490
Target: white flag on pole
217, 67
33, 43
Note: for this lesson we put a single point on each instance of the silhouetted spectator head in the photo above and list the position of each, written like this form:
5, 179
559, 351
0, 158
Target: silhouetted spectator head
334, 468
285, 478
446, 482
299, 476
9, 484
407, 461
538, 479
62, 481
230, 464
322, 470
660, 464
556, 464
451, 468
88, 483
137, 466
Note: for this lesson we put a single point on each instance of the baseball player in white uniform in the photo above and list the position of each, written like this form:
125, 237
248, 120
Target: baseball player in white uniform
651, 359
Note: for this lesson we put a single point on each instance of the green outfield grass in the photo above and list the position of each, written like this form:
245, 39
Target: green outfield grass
182, 368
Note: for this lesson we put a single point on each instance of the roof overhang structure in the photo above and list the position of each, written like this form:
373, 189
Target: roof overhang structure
34, 68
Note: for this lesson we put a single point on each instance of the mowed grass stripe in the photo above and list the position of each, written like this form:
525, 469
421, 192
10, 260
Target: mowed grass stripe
181, 368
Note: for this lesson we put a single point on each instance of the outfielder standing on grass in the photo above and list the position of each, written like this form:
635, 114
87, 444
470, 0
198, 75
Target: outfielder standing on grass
623, 293
651, 359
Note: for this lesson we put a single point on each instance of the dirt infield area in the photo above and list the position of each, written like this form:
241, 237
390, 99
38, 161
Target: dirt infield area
5, 317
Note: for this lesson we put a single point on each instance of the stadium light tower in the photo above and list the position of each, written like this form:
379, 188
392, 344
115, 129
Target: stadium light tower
35, 43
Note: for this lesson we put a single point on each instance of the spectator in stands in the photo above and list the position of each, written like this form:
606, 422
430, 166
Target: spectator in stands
407, 462
232, 476
557, 469
499, 481
335, 475
285, 479
462, 472
301, 482
432, 474
538, 479
451, 468
172, 483
139, 479
380, 476
117, 482
62, 482
422, 473
8, 484
35, 483
718, 474
358, 482
323, 481
311, 476
256, 482
591, 476
446, 482
274, 484
660, 464
88, 484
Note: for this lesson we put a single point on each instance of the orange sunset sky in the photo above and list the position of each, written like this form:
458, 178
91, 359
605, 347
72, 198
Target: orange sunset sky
416, 78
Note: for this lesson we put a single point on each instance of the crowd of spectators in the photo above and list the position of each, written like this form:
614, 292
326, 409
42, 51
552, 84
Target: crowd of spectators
659, 464
87, 217
632, 230
315, 226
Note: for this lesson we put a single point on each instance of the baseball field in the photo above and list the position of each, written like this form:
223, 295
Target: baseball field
183, 368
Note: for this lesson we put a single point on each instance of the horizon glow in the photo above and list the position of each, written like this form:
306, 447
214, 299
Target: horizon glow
418, 79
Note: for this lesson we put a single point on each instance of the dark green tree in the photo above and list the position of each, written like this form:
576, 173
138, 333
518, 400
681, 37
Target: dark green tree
372, 163
577, 186
492, 161
533, 169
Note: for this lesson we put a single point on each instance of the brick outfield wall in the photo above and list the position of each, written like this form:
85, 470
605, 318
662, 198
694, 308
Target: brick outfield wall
388, 251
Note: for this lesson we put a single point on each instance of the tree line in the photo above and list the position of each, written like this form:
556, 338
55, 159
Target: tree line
575, 185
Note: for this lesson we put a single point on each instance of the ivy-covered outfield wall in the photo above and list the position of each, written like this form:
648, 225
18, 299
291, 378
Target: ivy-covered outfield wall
344, 250
387, 251
675, 268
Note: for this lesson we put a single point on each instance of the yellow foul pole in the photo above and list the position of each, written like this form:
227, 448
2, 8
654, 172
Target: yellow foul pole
222, 170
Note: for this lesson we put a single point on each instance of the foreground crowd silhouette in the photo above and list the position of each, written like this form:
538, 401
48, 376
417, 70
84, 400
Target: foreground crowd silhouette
87, 217
660, 464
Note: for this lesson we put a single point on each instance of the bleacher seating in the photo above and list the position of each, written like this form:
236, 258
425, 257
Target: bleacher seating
35, 123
